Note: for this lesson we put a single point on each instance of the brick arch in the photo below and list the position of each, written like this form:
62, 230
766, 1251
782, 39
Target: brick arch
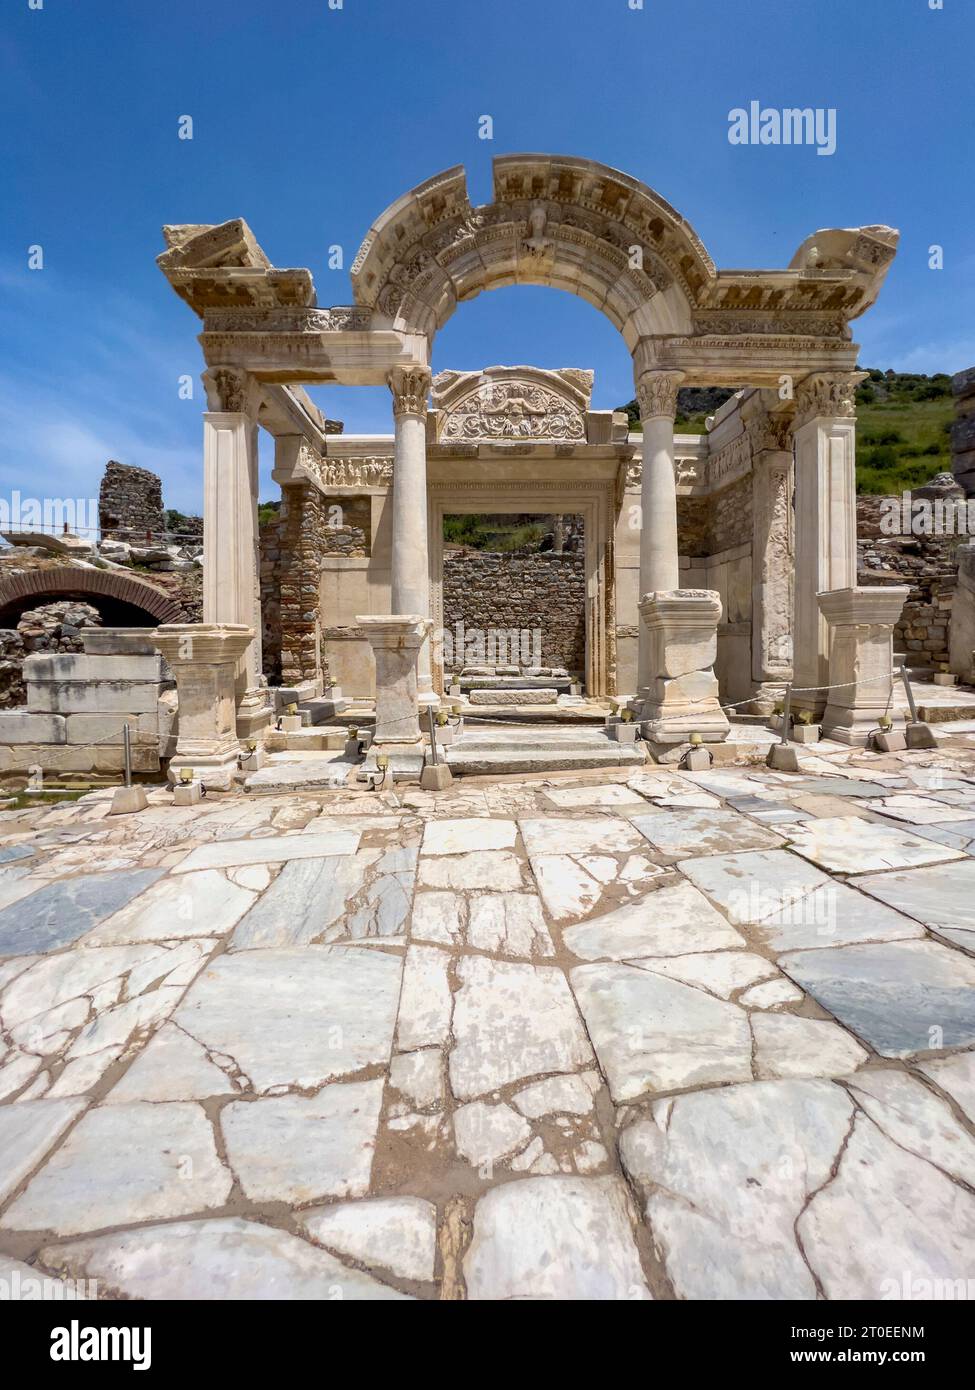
68, 580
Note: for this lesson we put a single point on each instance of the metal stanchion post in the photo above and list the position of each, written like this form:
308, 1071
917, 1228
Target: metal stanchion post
782, 755
128, 798
917, 734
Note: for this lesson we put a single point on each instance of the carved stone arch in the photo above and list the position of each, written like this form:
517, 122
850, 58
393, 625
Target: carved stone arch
569, 223
70, 581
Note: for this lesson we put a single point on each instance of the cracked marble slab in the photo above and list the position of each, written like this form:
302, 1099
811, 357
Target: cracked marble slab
942, 898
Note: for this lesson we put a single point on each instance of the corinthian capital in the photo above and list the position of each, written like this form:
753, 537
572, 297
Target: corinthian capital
410, 387
231, 390
828, 394
656, 393
769, 433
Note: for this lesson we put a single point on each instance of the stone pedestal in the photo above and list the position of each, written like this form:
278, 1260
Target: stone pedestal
395, 640
681, 697
204, 659
861, 657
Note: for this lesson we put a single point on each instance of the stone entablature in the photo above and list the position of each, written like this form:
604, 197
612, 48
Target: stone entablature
516, 403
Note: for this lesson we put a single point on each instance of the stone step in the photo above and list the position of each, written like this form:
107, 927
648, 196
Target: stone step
322, 709
315, 738
538, 695
561, 684
514, 759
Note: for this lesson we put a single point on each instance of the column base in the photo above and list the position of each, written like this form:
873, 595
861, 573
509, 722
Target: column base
254, 721
217, 772
681, 697
861, 623
854, 727
767, 695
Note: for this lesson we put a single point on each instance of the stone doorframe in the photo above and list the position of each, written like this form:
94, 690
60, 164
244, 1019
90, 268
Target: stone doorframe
593, 501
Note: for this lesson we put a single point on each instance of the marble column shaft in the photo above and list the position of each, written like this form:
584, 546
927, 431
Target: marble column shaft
659, 556
410, 575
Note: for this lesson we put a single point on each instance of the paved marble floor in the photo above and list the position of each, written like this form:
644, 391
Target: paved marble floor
625, 1034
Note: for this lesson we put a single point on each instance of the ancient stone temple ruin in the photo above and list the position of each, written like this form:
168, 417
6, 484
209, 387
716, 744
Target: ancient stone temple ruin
714, 568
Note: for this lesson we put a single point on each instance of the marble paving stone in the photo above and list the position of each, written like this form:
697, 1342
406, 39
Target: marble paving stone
886, 1213
60, 912
571, 886
27, 1131
704, 832
10, 852
485, 1134
911, 1115
121, 1164
956, 1077
323, 900
719, 972
787, 1045
427, 1004
419, 1076
560, 1238
834, 915
16, 883
508, 924
271, 849
558, 1095
398, 1234
901, 997
200, 904
215, 1260
590, 835
439, 916
754, 885
497, 870
296, 1017
464, 836
652, 1034
22, 1283
726, 1173
942, 898
918, 810
583, 797
668, 922
301, 1148
848, 845
773, 994
512, 1021
172, 1066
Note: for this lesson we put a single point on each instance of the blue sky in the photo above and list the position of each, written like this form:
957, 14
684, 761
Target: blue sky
309, 120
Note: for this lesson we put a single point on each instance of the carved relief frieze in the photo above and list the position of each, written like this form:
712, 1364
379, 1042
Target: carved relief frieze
349, 472
730, 463
515, 410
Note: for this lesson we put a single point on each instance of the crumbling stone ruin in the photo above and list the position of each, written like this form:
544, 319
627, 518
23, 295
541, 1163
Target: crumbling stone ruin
53, 627
130, 503
963, 431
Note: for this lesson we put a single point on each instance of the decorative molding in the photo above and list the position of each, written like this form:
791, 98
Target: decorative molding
828, 395
512, 409
656, 393
231, 391
729, 464
410, 387
349, 472
341, 318
769, 432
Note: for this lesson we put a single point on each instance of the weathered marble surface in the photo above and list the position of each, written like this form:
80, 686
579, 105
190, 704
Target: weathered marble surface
361, 1046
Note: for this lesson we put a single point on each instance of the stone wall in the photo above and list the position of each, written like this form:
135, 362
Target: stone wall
292, 546
928, 564
130, 503
520, 590
731, 516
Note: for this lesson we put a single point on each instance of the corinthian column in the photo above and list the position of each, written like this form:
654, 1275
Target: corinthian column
410, 563
826, 526
659, 568
231, 563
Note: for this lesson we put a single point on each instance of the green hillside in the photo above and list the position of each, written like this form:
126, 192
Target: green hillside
904, 423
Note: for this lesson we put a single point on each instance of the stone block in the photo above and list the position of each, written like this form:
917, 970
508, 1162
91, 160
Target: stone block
118, 641
806, 733
697, 760
93, 697
623, 733
696, 685
187, 793
783, 758
29, 726
920, 735
514, 697
892, 742
127, 800
80, 666
101, 728
436, 778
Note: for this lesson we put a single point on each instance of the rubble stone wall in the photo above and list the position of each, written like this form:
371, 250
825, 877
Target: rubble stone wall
963, 431
130, 503
514, 589
928, 564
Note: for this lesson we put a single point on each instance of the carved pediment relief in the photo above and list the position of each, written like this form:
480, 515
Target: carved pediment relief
513, 403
